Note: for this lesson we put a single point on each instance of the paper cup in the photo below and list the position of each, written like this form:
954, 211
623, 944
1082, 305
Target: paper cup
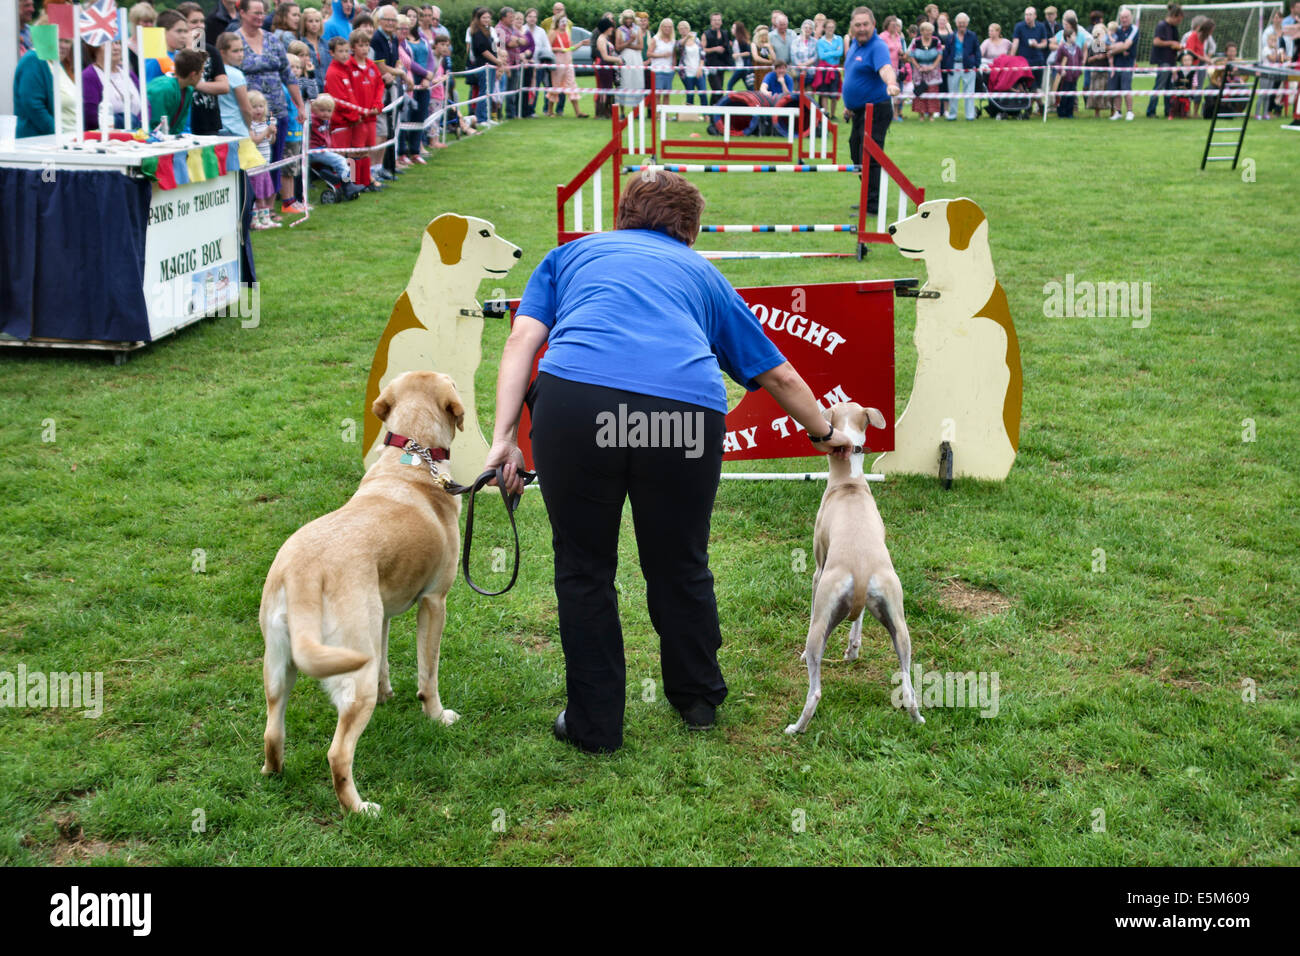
8, 131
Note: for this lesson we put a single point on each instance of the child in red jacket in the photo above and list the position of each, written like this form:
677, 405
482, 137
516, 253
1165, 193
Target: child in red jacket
352, 82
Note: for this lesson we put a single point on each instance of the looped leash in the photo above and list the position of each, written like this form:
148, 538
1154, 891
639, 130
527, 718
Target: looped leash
445, 481
511, 502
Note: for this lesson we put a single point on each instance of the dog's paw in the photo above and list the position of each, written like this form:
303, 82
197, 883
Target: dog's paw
448, 717
369, 809
851, 652
916, 716
803, 656
384, 693
268, 770
792, 729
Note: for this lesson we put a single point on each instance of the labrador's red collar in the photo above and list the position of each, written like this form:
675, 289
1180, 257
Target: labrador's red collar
410, 444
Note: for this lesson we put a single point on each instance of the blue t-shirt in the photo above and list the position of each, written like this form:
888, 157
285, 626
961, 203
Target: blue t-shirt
640, 311
862, 63
778, 85
232, 120
1033, 55
830, 50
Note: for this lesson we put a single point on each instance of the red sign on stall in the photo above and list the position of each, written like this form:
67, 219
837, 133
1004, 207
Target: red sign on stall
839, 336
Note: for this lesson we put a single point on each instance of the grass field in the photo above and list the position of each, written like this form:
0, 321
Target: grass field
1125, 691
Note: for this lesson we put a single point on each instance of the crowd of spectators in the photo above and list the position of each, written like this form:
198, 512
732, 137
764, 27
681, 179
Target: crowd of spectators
361, 84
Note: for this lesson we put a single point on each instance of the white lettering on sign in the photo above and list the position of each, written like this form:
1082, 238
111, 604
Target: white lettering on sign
785, 423
731, 443
799, 326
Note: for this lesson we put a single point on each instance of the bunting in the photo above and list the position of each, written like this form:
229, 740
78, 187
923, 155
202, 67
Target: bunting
201, 163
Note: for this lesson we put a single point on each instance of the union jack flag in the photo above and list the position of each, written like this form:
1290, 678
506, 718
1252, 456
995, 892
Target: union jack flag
99, 23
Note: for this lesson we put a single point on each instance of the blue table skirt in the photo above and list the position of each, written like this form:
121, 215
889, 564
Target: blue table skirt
72, 252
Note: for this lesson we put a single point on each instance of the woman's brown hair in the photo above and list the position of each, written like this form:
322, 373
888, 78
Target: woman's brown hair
664, 202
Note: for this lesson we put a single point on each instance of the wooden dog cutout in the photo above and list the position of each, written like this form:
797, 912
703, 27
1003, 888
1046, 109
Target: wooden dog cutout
968, 385
437, 325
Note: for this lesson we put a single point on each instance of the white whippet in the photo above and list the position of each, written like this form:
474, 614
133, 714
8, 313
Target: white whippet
854, 573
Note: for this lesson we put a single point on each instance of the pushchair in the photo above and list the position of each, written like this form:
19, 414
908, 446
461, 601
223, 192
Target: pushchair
1011, 85
335, 188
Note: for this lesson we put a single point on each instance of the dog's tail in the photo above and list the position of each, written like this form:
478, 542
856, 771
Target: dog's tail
304, 605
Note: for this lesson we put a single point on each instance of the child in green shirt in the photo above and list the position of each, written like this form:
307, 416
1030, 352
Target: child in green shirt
171, 95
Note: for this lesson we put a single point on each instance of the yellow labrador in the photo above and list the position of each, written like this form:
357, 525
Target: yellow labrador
339, 580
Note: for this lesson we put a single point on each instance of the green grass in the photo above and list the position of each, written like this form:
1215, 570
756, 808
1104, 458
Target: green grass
1120, 690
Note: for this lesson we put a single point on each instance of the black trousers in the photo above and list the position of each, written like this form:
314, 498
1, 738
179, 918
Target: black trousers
716, 78
585, 480
1163, 78
881, 115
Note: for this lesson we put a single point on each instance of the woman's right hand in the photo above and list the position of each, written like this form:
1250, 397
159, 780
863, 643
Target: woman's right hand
838, 445
507, 454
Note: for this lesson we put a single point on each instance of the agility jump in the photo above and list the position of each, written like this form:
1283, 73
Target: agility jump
801, 134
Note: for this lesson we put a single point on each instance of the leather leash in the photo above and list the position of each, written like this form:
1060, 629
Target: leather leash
452, 487
510, 501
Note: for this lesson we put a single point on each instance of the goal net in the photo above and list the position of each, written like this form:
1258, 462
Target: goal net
1239, 23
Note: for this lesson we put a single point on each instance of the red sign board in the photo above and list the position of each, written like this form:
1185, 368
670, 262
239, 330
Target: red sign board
839, 336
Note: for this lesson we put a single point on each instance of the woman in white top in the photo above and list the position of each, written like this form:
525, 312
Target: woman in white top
662, 48
692, 64
627, 43
543, 55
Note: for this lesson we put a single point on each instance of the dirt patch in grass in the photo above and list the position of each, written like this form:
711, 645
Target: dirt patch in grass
73, 846
531, 642
965, 598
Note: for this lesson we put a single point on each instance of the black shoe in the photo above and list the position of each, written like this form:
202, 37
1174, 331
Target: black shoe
352, 190
853, 206
373, 188
561, 731
699, 715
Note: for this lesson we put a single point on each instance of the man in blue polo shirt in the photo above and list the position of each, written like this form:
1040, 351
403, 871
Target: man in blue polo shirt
1031, 40
868, 78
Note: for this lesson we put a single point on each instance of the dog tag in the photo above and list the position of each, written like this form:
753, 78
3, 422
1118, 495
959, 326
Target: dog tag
410, 459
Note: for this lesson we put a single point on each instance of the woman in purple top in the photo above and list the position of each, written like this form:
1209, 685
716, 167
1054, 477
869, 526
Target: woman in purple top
266, 70
123, 95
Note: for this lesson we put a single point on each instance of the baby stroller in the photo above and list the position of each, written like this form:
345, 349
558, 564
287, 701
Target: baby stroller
335, 189
1011, 84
